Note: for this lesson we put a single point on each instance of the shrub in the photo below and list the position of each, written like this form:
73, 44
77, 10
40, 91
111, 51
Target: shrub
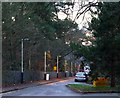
100, 81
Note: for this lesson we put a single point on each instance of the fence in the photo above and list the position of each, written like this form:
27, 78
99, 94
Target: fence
14, 77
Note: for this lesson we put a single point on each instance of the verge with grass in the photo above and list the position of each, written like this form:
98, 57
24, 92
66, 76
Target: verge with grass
91, 89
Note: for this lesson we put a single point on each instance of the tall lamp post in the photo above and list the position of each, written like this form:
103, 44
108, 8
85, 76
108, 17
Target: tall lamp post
22, 58
45, 60
71, 70
65, 68
58, 64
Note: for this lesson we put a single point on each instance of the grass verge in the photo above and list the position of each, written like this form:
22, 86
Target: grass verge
90, 89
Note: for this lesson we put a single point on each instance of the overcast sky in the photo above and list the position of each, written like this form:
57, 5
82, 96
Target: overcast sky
80, 20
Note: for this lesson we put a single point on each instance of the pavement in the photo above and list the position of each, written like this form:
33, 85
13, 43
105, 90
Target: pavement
30, 84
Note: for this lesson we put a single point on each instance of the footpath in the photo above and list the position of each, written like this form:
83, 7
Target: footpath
31, 84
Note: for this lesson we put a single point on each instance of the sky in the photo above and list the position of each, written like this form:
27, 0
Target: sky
80, 21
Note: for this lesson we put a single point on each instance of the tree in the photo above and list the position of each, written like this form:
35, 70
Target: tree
39, 23
106, 31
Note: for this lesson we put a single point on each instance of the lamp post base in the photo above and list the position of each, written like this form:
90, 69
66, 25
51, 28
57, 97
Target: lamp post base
44, 76
70, 74
57, 75
65, 74
21, 77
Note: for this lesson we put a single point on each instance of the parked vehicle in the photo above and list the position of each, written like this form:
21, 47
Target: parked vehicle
80, 76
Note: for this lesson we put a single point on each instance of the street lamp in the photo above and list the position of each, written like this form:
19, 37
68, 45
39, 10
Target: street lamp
22, 58
65, 68
71, 69
57, 64
45, 60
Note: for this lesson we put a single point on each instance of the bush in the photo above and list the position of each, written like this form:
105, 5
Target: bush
101, 81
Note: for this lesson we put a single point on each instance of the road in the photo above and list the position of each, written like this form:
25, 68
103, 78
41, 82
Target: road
52, 89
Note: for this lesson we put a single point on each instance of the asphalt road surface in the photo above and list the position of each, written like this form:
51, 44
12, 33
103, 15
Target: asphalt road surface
54, 89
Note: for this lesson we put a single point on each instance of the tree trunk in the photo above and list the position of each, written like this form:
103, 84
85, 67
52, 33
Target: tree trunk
112, 72
112, 78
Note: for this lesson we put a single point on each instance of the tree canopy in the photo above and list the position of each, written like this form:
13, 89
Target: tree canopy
39, 23
106, 30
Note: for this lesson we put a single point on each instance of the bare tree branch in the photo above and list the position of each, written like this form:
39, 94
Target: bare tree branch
85, 8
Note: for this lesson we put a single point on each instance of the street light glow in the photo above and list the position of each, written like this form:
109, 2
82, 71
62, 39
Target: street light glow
56, 37
26, 39
13, 18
